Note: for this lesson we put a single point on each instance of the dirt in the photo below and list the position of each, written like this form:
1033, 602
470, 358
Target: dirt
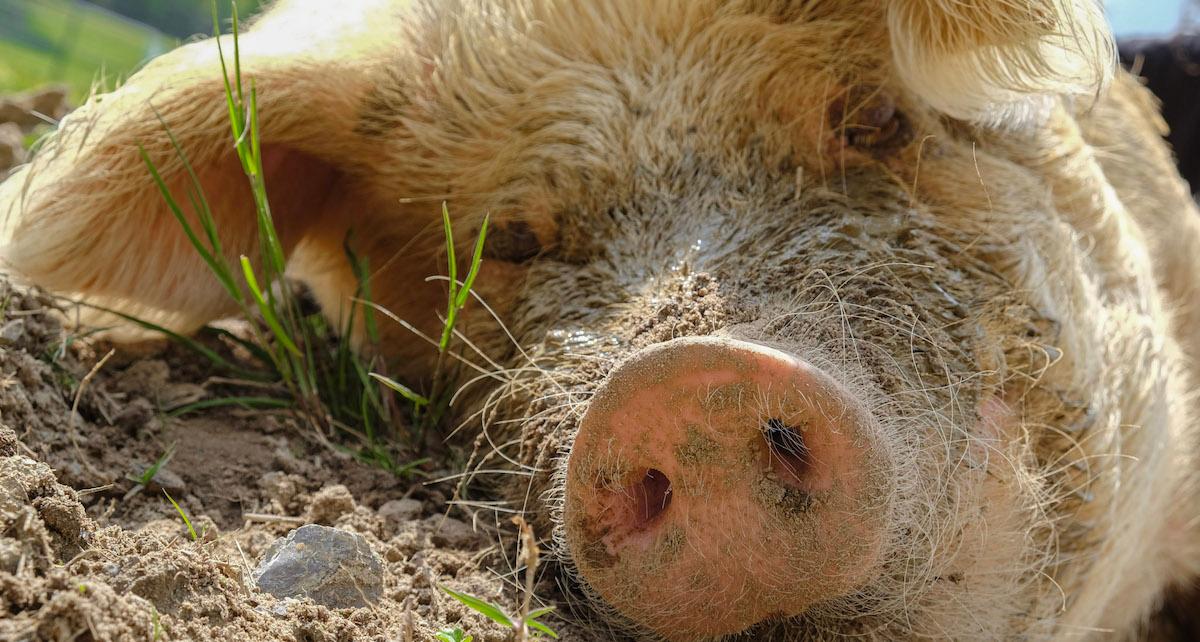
86, 553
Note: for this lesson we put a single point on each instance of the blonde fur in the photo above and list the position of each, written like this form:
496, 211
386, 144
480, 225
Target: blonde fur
1000, 61
1012, 292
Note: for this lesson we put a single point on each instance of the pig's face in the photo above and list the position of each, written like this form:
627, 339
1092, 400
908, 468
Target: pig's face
810, 308
881, 508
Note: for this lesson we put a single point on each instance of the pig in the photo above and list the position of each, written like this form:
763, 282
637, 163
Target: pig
805, 319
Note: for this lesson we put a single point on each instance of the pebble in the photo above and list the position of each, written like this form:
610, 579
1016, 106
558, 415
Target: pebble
330, 566
166, 480
12, 332
400, 510
451, 532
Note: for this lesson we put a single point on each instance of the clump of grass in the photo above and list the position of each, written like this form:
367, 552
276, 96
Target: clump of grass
495, 613
428, 411
330, 387
524, 624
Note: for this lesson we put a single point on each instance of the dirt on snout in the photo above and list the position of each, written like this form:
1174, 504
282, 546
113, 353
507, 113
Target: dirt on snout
86, 553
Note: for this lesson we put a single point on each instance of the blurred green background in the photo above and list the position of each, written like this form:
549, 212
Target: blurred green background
77, 42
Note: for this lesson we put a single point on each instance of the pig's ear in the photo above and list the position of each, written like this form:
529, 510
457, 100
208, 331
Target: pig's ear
999, 61
86, 218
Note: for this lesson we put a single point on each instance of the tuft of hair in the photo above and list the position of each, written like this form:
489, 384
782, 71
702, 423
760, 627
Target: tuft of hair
1000, 62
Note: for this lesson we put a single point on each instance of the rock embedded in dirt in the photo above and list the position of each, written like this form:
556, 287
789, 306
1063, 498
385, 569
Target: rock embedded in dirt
164, 479
452, 533
400, 510
330, 503
143, 377
330, 566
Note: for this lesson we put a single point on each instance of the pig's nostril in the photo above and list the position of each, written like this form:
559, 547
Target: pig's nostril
789, 454
651, 497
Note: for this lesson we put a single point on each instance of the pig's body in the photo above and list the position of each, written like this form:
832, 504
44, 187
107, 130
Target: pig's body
836, 318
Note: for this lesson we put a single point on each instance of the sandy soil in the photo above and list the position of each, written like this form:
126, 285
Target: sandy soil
88, 554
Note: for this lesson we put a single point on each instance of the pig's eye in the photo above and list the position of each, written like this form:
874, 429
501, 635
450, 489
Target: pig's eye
869, 121
512, 241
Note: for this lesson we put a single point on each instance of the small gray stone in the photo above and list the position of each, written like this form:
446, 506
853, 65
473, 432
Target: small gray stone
400, 510
12, 331
166, 480
330, 566
451, 532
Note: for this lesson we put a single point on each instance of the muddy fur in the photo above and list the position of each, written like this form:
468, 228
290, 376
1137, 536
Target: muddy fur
1007, 286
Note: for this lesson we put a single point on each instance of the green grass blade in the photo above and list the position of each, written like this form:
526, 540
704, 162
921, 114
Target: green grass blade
237, 51
476, 260
458, 294
361, 267
537, 613
364, 412
234, 113
451, 261
187, 522
534, 624
158, 464
249, 403
453, 269
401, 389
486, 609
177, 212
453, 635
204, 213
187, 342
410, 468
255, 137
267, 311
253, 348
368, 389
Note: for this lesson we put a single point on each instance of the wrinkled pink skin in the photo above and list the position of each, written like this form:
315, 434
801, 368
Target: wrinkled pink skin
703, 449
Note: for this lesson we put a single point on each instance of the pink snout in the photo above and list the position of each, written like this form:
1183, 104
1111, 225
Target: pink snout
715, 483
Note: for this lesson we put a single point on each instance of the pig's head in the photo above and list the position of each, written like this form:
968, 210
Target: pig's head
800, 322
800, 278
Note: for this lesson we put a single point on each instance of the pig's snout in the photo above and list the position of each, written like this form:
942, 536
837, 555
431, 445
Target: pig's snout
715, 483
